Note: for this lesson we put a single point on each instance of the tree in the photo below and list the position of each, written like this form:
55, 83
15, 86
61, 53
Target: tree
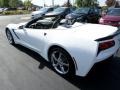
113, 3
86, 3
27, 4
79, 3
1, 3
67, 4
4, 3
13, 3
20, 3
90, 2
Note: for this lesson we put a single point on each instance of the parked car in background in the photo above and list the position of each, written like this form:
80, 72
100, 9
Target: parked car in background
10, 9
85, 14
7, 9
112, 17
61, 11
1, 10
41, 12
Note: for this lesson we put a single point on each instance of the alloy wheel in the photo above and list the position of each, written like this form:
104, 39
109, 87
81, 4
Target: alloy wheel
60, 62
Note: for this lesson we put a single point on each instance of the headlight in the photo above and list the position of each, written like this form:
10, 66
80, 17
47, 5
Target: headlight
101, 20
68, 17
79, 18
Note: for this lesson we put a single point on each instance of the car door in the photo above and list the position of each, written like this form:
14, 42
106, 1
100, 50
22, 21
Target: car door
20, 33
91, 16
32, 38
36, 38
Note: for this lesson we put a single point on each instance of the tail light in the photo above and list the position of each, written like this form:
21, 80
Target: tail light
106, 45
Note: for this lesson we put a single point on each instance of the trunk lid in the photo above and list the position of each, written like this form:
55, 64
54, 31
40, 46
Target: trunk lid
95, 31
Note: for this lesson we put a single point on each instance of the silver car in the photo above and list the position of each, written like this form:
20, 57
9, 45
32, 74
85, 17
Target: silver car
41, 12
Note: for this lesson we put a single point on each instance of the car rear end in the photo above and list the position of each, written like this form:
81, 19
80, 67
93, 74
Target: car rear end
108, 46
97, 45
113, 22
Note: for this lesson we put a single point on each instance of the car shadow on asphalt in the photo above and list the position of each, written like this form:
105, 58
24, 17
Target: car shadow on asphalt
103, 76
34, 55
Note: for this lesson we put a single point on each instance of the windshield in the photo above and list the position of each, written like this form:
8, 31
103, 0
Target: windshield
82, 10
43, 9
114, 12
60, 9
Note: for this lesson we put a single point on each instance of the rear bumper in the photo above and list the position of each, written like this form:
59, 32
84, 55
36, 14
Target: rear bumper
103, 55
109, 52
97, 60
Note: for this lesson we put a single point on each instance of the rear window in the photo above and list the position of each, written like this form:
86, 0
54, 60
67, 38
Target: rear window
60, 9
82, 10
115, 12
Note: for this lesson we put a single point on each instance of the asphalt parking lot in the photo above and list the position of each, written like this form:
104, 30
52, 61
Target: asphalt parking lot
23, 69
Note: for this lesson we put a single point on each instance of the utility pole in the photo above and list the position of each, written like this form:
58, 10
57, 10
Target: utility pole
73, 2
52, 2
68, 2
44, 3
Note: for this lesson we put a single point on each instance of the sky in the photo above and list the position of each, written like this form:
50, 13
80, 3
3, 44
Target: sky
58, 2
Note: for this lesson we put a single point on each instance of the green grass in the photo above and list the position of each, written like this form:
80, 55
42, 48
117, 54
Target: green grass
16, 12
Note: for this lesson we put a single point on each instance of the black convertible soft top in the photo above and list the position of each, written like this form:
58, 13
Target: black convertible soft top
53, 23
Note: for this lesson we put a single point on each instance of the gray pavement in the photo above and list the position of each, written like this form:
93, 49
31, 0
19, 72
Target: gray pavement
23, 69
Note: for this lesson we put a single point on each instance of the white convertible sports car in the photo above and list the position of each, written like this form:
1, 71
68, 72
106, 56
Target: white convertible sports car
71, 47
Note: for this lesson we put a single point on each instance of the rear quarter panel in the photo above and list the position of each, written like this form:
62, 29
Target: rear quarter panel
82, 50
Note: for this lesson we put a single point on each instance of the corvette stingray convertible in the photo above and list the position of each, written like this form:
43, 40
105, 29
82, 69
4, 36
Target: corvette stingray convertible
72, 48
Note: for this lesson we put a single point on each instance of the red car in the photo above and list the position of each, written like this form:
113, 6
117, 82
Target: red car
112, 17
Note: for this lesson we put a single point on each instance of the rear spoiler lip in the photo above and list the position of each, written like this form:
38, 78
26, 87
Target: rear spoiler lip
108, 37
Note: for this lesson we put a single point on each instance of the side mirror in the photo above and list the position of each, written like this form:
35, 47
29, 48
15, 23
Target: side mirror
63, 21
21, 27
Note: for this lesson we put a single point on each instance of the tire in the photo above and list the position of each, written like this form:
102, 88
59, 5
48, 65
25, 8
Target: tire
62, 62
10, 37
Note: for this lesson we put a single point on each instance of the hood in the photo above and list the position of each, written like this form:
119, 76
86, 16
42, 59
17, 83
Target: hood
112, 18
37, 12
95, 31
22, 23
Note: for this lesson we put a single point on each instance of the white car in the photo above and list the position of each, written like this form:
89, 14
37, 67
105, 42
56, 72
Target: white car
72, 48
